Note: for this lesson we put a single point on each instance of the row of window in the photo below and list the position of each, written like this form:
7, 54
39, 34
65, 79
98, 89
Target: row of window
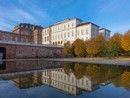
55, 29
65, 35
62, 27
63, 77
57, 43
64, 86
66, 78
9, 38
82, 32
25, 26
46, 38
25, 33
60, 36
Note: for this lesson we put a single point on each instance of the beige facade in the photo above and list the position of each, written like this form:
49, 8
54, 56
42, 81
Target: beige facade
69, 30
60, 32
28, 33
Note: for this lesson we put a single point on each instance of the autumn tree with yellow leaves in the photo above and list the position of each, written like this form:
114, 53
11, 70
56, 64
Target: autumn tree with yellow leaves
92, 47
68, 49
125, 42
125, 80
116, 45
79, 48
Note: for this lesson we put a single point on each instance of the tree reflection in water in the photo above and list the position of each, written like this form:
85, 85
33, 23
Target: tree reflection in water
118, 75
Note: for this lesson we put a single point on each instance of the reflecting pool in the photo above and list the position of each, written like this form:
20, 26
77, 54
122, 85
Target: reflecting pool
52, 79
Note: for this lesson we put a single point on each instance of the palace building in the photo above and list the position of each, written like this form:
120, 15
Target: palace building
70, 30
26, 33
57, 34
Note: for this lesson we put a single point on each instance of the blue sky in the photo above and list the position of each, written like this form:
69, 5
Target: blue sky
111, 14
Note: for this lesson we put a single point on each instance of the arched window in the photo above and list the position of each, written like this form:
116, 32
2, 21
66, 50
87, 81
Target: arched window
55, 43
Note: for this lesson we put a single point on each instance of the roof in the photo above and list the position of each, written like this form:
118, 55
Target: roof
27, 24
104, 29
86, 24
65, 20
68, 19
7, 32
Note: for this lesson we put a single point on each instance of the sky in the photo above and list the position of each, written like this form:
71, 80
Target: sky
111, 14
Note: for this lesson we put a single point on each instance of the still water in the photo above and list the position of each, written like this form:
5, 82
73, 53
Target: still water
51, 79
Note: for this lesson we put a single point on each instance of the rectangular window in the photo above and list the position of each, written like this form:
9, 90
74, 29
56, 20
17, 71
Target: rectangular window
16, 39
82, 32
45, 39
64, 26
64, 35
72, 33
58, 36
86, 31
55, 37
61, 35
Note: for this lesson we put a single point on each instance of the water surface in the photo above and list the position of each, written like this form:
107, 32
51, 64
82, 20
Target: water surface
51, 79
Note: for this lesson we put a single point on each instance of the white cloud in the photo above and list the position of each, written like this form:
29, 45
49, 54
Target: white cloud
24, 15
27, 12
35, 10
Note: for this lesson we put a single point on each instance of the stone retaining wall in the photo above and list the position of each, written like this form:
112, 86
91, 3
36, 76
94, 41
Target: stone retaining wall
14, 51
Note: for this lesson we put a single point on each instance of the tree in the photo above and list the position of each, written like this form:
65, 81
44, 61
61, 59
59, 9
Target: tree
104, 49
100, 39
125, 41
114, 44
79, 71
92, 47
116, 81
103, 45
79, 48
68, 49
96, 73
68, 68
125, 80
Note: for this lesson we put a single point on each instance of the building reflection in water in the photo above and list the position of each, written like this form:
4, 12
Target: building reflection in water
28, 81
29, 65
73, 78
2, 65
58, 79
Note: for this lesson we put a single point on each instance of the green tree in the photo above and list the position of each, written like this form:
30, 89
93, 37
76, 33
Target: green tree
114, 44
104, 49
103, 45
